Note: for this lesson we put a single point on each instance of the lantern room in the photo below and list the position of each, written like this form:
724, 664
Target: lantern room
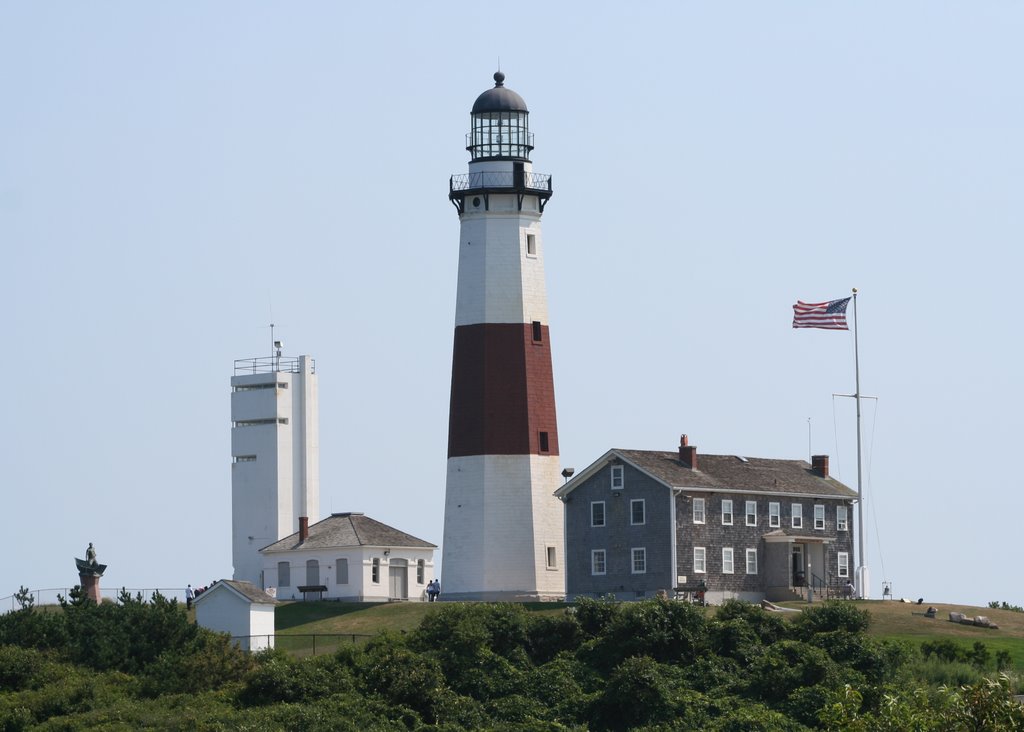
500, 125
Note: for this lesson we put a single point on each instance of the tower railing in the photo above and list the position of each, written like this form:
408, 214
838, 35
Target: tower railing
271, 365
490, 180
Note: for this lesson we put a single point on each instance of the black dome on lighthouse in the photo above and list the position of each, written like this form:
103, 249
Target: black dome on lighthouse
499, 99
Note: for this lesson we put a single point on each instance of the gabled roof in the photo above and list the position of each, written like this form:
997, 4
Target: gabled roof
721, 473
349, 530
247, 590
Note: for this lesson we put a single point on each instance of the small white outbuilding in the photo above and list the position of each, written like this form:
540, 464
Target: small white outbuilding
240, 609
349, 557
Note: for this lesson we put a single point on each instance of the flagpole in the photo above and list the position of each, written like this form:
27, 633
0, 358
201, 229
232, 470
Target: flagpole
862, 568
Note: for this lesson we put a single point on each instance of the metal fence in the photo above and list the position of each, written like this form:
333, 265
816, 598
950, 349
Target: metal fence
48, 596
301, 644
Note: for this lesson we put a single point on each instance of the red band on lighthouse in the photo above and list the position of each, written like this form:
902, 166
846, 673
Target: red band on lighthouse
503, 394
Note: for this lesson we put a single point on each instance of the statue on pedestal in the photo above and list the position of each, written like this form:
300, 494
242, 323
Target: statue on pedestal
89, 572
89, 566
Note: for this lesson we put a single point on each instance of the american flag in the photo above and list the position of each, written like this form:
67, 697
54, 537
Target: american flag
828, 315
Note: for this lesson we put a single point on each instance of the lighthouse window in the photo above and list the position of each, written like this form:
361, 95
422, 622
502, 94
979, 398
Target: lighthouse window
537, 332
544, 446
531, 245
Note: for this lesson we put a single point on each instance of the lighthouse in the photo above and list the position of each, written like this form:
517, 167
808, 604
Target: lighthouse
503, 528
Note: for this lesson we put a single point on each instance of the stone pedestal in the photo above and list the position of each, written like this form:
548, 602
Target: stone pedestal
91, 586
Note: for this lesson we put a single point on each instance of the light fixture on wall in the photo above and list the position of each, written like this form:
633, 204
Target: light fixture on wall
387, 552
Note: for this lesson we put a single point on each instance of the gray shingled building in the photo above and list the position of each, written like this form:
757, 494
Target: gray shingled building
640, 521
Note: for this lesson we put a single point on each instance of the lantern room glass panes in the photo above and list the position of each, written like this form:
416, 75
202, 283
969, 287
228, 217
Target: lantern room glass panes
501, 135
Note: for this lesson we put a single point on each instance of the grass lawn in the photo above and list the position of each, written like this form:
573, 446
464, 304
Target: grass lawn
365, 618
901, 621
889, 619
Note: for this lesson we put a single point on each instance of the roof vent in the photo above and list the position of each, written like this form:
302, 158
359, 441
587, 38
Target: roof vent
742, 459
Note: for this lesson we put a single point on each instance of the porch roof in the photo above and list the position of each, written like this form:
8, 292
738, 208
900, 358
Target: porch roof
795, 536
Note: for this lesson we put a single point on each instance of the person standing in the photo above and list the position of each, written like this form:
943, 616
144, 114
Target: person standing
190, 595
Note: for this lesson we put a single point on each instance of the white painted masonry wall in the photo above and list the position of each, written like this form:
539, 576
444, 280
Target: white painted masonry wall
498, 282
497, 532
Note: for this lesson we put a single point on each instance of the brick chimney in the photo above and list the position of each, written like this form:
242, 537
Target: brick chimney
687, 453
819, 464
303, 528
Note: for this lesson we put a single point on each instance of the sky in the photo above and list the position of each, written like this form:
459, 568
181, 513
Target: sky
176, 176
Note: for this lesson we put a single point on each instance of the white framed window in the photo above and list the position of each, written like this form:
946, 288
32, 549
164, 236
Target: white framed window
726, 512
751, 561
751, 513
819, 517
842, 518
598, 564
698, 510
531, 245
341, 571
312, 572
421, 571
375, 571
844, 564
284, 574
700, 560
774, 515
618, 481
727, 560
639, 560
552, 558
637, 512
597, 513
797, 516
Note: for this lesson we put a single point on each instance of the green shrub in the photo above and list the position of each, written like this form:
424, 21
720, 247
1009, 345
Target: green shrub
768, 627
595, 616
402, 677
829, 617
548, 636
20, 668
279, 678
205, 663
937, 672
666, 631
788, 666
639, 692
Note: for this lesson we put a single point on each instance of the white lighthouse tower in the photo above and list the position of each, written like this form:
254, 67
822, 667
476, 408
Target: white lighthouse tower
503, 528
275, 451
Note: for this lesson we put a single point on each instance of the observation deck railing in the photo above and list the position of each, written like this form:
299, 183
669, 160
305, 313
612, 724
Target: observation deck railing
491, 180
271, 365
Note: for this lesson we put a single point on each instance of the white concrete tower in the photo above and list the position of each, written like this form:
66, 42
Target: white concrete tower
275, 451
503, 528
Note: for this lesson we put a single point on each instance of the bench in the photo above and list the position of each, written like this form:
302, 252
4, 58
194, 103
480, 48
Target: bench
308, 590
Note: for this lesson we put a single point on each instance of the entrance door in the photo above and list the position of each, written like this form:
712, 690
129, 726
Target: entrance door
398, 579
799, 570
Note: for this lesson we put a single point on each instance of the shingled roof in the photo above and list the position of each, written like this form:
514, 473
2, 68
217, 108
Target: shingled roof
723, 473
247, 590
348, 530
